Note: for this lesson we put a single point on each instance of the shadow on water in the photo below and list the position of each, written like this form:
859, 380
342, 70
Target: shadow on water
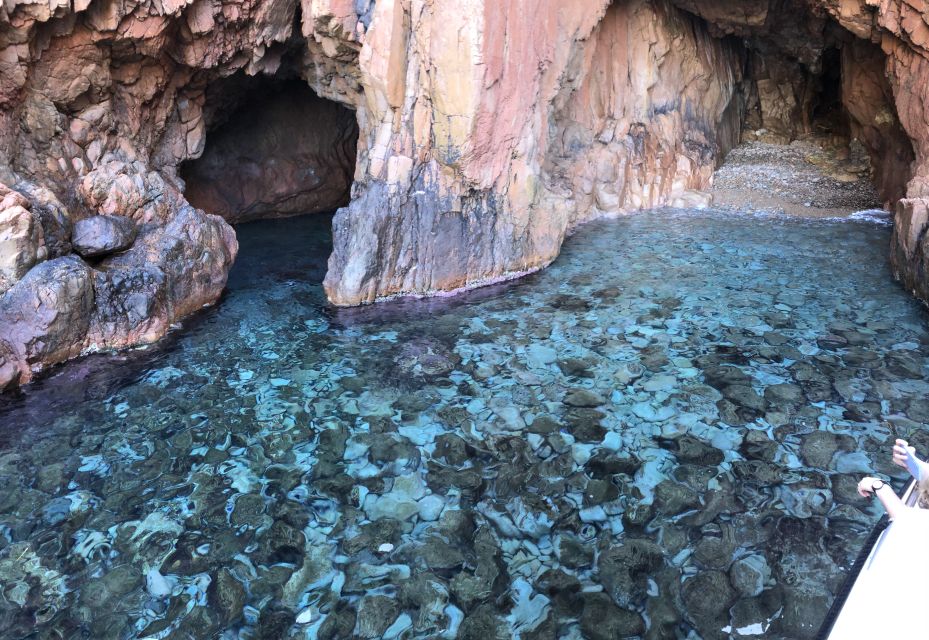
263, 261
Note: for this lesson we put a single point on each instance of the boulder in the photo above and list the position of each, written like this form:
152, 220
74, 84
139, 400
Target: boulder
20, 244
749, 575
625, 569
583, 398
707, 597
102, 235
45, 317
819, 447
375, 615
603, 620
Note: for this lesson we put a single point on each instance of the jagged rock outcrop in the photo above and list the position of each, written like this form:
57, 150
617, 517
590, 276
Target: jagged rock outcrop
486, 131
45, 316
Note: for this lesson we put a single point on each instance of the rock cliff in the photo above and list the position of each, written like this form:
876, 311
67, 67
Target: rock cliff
486, 131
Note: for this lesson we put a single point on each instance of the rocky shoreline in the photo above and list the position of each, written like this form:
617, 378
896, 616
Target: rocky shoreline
480, 144
811, 178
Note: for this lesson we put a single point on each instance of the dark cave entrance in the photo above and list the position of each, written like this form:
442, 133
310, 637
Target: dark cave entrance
827, 111
273, 149
836, 97
786, 99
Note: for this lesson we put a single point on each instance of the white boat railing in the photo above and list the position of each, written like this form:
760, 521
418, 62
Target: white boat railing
886, 582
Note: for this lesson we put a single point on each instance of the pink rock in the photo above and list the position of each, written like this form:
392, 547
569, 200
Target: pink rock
44, 317
20, 244
102, 235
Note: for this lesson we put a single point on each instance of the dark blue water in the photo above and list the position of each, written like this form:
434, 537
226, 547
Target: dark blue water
659, 435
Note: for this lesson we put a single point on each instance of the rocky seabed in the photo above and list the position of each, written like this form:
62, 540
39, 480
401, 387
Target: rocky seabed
659, 436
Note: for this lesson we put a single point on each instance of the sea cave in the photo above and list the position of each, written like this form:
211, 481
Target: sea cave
437, 320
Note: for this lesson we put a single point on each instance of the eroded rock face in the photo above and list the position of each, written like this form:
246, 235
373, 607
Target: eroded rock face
581, 112
900, 29
486, 132
99, 103
20, 243
45, 317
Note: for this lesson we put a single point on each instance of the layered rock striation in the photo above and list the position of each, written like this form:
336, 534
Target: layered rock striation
512, 123
485, 133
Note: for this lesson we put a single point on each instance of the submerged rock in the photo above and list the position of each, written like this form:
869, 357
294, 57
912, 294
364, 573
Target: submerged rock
707, 598
483, 624
338, 624
750, 575
687, 448
603, 620
375, 615
226, 596
819, 448
422, 357
625, 568
583, 398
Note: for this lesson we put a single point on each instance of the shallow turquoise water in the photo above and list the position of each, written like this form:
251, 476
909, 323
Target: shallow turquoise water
659, 434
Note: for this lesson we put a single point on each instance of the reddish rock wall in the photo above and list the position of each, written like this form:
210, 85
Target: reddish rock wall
900, 28
487, 130
100, 102
527, 118
653, 107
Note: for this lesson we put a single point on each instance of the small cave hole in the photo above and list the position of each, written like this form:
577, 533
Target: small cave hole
273, 149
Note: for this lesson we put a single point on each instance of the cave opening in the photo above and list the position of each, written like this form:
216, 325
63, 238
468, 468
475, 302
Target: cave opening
786, 99
820, 135
827, 113
273, 149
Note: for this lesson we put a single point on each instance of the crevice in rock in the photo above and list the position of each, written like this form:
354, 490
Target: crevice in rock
273, 149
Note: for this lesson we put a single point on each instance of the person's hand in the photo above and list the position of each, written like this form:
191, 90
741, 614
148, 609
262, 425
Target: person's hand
905, 456
866, 486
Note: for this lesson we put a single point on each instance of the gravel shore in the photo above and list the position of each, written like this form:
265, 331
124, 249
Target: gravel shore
811, 178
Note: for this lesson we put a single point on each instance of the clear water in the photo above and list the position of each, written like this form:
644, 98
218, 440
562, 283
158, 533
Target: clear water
660, 435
